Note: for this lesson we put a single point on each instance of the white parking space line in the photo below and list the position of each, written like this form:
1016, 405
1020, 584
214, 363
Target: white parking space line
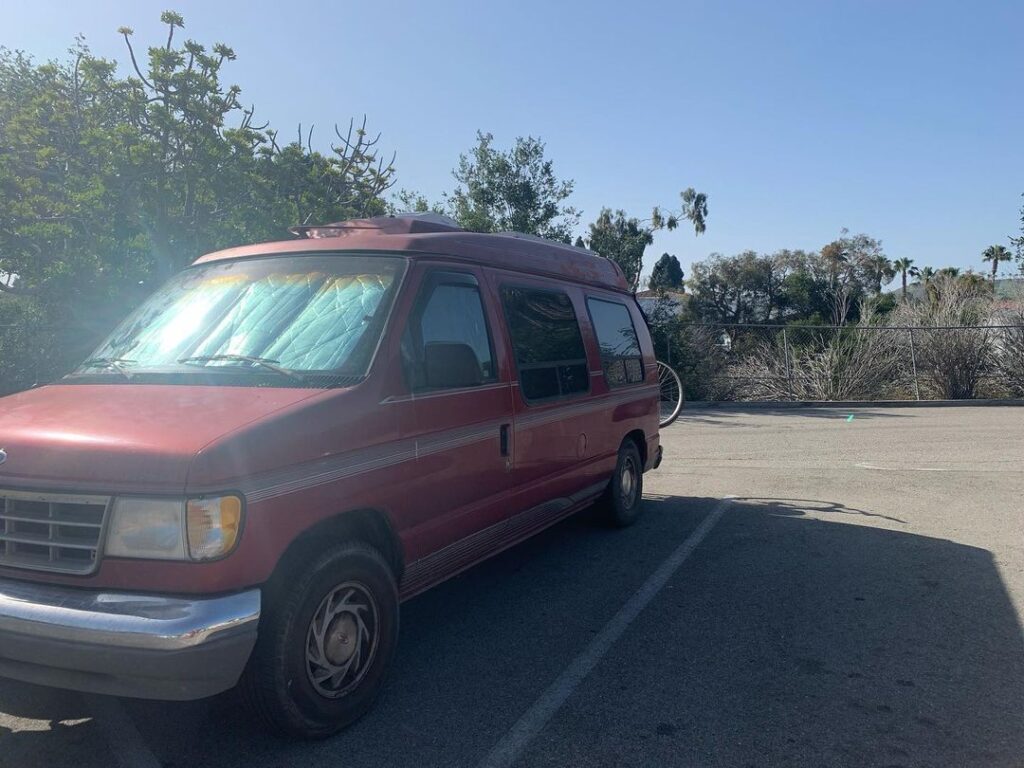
124, 739
864, 465
519, 737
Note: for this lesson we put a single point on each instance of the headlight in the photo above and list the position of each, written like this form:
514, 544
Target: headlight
212, 526
173, 529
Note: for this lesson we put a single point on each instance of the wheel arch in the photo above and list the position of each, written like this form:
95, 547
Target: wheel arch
638, 437
370, 526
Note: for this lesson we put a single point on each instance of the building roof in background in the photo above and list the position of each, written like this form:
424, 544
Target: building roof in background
670, 303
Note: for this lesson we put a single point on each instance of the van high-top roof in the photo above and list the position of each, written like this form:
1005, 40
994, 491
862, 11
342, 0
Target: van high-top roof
418, 235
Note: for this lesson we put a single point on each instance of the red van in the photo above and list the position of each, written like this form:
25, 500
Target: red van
288, 439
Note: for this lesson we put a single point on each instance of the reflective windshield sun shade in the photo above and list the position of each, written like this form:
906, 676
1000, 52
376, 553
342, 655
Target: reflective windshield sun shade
326, 328
304, 313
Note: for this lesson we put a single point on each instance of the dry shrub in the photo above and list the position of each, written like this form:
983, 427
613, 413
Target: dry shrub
1008, 352
852, 363
953, 345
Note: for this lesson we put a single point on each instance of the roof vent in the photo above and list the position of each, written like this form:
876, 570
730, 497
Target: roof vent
402, 224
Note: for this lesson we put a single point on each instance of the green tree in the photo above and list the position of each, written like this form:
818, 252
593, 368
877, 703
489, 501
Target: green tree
621, 239
804, 298
879, 271
694, 208
834, 255
110, 183
411, 201
789, 286
996, 254
514, 190
856, 264
667, 274
746, 288
904, 266
1018, 242
856, 268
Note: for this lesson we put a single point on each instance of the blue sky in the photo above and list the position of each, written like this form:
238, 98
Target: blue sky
896, 118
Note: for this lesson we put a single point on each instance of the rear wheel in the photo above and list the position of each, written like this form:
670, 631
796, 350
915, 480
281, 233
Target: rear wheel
620, 505
670, 394
325, 642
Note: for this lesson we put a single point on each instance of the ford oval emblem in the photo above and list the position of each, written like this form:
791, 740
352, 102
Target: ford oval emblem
3, 455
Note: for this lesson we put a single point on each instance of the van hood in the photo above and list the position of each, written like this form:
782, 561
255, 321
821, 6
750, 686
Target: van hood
122, 438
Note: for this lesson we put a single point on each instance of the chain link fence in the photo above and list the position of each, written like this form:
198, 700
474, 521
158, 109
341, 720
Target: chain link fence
859, 362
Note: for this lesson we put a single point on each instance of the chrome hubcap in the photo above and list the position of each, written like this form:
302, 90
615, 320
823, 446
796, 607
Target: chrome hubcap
627, 483
342, 640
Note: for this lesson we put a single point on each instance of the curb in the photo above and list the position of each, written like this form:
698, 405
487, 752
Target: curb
845, 404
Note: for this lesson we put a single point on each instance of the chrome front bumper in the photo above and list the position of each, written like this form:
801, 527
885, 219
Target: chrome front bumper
149, 646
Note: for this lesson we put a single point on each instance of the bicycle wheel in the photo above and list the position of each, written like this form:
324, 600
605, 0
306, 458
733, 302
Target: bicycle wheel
671, 395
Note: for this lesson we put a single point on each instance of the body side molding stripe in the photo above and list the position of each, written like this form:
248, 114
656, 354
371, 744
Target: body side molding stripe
332, 469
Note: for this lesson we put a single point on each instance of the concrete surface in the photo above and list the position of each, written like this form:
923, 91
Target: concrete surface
858, 603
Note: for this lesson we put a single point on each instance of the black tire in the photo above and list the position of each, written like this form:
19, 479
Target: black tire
620, 504
671, 395
278, 683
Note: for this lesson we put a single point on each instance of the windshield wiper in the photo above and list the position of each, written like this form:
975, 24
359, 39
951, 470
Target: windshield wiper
110, 363
270, 365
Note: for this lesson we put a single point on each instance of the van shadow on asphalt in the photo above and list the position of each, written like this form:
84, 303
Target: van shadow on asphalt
796, 633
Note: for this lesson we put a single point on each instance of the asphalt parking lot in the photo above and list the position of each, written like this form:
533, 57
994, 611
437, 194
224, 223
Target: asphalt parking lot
803, 589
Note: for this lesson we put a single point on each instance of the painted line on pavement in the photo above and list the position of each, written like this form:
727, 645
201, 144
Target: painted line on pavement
863, 465
519, 737
122, 736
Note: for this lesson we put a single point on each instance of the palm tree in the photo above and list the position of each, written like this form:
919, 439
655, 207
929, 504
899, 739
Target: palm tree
976, 281
949, 272
905, 267
926, 275
996, 254
880, 270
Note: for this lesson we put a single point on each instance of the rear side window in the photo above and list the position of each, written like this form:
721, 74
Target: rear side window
616, 336
550, 355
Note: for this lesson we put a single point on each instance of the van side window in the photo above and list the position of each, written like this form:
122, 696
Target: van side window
446, 343
550, 355
616, 336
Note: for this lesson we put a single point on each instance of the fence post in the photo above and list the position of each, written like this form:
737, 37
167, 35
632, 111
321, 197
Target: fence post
913, 364
789, 370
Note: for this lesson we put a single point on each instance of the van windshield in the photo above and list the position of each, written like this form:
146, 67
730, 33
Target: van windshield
284, 316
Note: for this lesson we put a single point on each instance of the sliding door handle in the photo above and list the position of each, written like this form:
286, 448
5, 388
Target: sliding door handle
504, 435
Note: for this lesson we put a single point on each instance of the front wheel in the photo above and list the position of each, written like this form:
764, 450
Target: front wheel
620, 505
325, 643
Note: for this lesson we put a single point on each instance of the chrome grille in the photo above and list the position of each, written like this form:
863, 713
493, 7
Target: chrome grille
50, 531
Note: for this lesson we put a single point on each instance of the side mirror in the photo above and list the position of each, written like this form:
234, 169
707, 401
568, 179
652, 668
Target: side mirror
448, 365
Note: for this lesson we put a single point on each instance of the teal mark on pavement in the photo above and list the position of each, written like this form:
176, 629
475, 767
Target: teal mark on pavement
849, 418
